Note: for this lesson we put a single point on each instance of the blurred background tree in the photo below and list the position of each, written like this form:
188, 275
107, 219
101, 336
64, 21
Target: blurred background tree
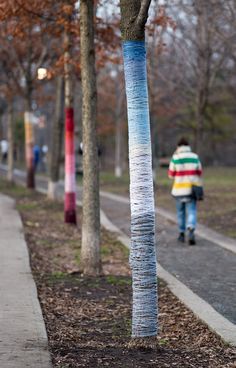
191, 64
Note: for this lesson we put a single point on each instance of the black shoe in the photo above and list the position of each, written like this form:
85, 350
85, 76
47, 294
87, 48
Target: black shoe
191, 237
181, 237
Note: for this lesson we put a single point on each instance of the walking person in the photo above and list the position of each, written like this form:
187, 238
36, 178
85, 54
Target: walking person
36, 153
186, 170
4, 150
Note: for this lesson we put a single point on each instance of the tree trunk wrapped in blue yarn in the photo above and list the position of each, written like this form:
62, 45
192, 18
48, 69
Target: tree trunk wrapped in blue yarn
142, 252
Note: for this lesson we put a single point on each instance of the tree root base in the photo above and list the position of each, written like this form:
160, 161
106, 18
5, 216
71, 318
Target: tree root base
70, 217
144, 343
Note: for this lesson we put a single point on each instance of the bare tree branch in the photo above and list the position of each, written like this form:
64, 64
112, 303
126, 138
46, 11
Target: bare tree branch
143, 12
36, 14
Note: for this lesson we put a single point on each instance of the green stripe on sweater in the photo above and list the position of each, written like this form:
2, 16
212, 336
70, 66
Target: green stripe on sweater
186, 160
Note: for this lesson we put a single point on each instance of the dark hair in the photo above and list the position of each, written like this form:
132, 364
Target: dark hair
183, 142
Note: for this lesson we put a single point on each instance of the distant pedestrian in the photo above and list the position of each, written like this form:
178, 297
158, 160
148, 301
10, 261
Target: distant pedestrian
4, 150
36, 151
186, 170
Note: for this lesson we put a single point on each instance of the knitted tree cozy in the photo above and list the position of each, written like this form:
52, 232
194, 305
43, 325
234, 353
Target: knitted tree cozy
142, 252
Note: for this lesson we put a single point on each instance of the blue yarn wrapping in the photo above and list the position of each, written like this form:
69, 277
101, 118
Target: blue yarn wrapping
142, 250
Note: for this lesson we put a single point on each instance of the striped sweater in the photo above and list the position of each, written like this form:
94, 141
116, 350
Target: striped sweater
186, 170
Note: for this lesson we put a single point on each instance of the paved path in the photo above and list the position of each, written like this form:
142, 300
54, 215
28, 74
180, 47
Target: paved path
23, 339
207, 269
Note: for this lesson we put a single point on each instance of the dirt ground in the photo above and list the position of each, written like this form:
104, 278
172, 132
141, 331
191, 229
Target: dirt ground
88, 319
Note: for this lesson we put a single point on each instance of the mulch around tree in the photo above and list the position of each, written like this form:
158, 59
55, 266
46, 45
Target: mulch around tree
88, 319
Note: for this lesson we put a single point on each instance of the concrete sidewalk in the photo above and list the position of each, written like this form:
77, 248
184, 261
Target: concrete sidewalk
203, 276
23, 338
207, 268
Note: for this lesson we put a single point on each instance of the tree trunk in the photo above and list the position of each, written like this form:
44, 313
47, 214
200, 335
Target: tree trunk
203, 68
118, 145
118, 136
90, 253
29, 140
142, 252
10, 138
70, 182
57, 135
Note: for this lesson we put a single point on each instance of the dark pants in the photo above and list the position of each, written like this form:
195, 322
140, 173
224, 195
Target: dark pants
186, 214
